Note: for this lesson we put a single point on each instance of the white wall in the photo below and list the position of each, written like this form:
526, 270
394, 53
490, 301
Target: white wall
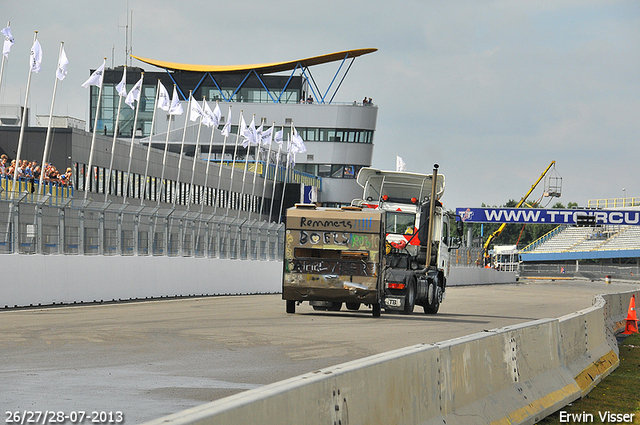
48, 279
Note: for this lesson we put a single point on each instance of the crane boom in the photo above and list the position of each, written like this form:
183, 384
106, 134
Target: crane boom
518, 205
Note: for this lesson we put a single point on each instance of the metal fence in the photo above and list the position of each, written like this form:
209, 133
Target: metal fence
598, 271
90, 228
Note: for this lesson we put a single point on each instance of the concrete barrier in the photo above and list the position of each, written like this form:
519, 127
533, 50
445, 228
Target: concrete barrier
68, 279
513, 375
478, 276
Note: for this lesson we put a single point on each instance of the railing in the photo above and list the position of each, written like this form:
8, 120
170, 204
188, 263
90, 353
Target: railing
613, 202
533, 245
91, 228
29, 189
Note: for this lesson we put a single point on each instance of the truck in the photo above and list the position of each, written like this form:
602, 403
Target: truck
388, 250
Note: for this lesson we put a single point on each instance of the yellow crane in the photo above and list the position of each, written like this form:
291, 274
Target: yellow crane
552, 191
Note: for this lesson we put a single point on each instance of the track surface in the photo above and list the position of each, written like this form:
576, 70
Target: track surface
149, 359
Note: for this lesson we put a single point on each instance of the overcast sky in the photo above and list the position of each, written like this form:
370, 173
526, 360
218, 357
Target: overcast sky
493, 91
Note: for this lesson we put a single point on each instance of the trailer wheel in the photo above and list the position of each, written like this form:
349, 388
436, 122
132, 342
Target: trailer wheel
376, 310
291, 306
353, 306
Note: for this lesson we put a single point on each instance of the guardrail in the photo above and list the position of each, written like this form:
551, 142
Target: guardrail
512, 375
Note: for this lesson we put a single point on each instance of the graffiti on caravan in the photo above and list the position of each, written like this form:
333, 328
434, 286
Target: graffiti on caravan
546, 216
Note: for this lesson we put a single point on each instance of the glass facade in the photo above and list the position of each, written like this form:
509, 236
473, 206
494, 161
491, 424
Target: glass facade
222, 87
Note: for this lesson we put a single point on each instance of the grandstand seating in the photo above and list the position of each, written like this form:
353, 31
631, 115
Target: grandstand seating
586, 239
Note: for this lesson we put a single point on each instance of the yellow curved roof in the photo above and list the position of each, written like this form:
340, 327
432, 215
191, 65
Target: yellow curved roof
265, 68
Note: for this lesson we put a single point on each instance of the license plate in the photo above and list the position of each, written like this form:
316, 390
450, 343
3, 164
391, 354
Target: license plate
393, 302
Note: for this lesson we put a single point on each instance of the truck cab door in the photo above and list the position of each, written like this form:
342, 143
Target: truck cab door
445, 242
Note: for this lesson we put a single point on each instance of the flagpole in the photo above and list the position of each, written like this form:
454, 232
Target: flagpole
193, 168
246, 165
224, 147
275, 178
286, 176
133, 138
184, 135
206, 174
22, 127
3, 59
48, 136
233, 162
89, 171
164, 161
266, 173
113, 144
166, 146
146, 168
2, 72
255, 171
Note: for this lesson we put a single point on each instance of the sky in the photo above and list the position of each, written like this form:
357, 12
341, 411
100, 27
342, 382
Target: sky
492, 91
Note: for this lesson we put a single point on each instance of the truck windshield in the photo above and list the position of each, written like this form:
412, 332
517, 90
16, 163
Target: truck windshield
400, 223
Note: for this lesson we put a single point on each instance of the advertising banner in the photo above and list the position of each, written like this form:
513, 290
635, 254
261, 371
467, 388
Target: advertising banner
548, 216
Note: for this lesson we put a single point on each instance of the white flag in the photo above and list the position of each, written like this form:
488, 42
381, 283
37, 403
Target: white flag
36, 57
134, 93
176, 106
259, 131
279, 137
249, 133
164, 102
297, 142
196, 111
227, 125
212, 117
400, 164
8, 41
61, 72
265, 138
122, 85
96, 77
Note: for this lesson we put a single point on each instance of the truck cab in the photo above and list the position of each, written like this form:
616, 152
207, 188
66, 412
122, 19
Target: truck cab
408, 279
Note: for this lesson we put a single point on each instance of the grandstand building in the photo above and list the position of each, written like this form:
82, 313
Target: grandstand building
338, 136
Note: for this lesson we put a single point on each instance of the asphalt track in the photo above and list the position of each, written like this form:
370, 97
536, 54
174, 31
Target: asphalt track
149, 359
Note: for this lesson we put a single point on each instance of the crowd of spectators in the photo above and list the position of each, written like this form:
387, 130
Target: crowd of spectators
31, 171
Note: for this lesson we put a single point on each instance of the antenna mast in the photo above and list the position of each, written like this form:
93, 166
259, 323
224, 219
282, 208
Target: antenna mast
128, 36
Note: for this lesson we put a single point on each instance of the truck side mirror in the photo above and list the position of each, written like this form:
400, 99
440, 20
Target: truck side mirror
460, 227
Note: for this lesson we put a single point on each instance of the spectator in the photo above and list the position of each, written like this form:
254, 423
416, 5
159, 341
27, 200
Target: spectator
3, 165
65, 179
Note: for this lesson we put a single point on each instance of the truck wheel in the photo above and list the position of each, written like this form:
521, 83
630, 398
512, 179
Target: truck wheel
353, 306
410, 299
291, 306
376, 310
433, 299
335, 306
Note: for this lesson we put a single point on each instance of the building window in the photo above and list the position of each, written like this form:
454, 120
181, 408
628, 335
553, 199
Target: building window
324, 170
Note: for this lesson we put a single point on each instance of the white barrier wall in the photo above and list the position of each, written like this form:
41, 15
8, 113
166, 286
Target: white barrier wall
76, 278
68, 279
512, 375
478, 276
